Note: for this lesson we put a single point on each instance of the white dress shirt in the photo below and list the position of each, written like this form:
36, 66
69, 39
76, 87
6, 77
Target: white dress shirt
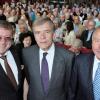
49, 58
89, 35
95, 66
11, 63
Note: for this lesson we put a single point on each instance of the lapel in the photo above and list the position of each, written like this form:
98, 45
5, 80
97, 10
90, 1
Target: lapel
5, 77
56, 67
36, 68
90, 85
14, 53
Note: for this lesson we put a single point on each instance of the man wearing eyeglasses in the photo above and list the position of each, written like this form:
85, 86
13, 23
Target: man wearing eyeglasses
48, 67
10, 73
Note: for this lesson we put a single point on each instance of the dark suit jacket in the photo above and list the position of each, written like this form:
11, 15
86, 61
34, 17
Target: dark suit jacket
7, 91
81, 87
87, 44
61, 71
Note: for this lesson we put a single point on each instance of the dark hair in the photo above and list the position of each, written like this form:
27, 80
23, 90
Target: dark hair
22, 36
69, 26
13, 24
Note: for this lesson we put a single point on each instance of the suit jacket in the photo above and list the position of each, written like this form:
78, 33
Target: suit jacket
7, 91
61, 71
87, 44
81, 87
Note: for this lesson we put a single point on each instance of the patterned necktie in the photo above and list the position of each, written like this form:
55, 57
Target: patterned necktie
96, 84
9, 72
45, 73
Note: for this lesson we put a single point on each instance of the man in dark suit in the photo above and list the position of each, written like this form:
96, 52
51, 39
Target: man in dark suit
48, 67
85, 81
10, 73
86, 36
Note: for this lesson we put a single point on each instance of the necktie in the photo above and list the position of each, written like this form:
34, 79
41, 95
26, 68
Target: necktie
45, 73
9, 72
96, 84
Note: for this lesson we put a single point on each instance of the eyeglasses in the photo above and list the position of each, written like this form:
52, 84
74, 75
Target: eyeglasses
7, 39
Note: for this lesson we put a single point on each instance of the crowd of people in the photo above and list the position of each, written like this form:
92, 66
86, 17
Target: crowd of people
52, 51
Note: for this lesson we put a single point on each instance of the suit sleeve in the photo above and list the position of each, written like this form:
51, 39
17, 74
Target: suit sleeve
73, 83
69, 65
24, 57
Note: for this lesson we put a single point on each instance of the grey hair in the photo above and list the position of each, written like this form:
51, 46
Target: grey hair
41, 21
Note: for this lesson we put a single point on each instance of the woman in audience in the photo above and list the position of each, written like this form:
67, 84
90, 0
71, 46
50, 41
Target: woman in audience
70, 35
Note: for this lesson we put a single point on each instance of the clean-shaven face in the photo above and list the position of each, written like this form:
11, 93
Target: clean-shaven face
96, 43
43, 36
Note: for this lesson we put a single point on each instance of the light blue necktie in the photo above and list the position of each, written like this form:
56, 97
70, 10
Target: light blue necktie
96, 84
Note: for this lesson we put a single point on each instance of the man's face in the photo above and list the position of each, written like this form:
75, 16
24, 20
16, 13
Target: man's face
5, 40
96, 44
76, 20
90, 25
43, 36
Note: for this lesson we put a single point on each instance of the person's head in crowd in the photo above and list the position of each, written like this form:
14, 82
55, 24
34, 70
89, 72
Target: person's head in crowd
14, 28
25, 17
13, 12
38, 14
22, 26
43, 29
26, 39
6, 35
55, 12
96, 42
67, 16
91, 25
76, 20
23, 11
62, 17
18, 11
95, 13
57, 23
89, 16
85, 22
69, 26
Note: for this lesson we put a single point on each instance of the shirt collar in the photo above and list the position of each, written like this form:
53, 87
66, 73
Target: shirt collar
97, 60
6, 53
51, 49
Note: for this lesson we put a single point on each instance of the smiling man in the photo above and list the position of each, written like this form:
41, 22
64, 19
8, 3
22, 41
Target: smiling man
10, 72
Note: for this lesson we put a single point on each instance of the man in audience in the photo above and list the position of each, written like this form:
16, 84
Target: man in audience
86, 36
78, 27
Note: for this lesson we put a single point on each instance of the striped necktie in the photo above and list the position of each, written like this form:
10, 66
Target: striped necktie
9, 72
96, 84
